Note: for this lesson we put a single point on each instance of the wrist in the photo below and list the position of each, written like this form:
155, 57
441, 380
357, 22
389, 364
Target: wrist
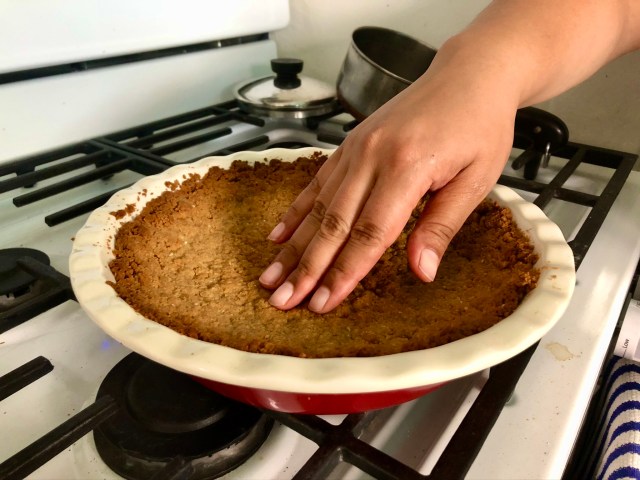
491, 71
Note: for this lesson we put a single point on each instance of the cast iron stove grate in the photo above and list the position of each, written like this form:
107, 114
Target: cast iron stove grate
138, 149
29, 286
56, 165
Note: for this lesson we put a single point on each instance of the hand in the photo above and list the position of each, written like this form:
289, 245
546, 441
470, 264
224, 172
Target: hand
441, 135
448, 134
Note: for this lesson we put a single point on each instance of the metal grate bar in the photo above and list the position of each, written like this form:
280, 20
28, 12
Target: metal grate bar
224, 111
376, 463
142, 166
80, 208
76, 181
339, 443
579, 198
141, 155
107, 160
190, 142
587, 233
620, 163
141, 140
521, 184
153, 138
239, 147
58, 290
312, 123
312, 427
29, 179
562, 176
29, 164
321, 464
141, 131
330, 138
23, 376
246, 118
48, 446
466, 442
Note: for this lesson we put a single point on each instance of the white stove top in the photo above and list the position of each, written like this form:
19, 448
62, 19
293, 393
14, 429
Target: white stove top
533, 435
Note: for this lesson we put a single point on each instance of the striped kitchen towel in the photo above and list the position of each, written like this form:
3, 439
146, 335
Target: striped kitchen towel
618, 445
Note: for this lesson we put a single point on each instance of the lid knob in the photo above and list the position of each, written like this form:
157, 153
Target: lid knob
286, 70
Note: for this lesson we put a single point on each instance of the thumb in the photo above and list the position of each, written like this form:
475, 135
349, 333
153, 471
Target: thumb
444, 213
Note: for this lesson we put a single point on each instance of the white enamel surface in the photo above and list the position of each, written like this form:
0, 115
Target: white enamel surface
88, 265
36, 33
536, 431
104, 100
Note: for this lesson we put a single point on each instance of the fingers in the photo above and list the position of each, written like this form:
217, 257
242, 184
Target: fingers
352, 223
384, 216
443, 216
313, 205
338, 250
340, 225
303, 204
316, 243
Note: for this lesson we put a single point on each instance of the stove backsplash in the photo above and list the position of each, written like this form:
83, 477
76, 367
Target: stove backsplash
48, 37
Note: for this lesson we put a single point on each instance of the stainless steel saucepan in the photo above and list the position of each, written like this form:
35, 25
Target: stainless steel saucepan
380, 63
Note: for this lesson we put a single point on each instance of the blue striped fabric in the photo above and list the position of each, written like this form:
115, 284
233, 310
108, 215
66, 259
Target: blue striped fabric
618, 446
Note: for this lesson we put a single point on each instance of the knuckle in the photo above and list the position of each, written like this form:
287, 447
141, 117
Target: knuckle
289, 251
305, 268
344, 272
293, 212
318, 212
371, 140
314, 186
333, 226
442, 232
369, 234
368, 143
299, 208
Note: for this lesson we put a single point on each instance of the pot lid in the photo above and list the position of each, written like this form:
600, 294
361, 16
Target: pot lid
287, 94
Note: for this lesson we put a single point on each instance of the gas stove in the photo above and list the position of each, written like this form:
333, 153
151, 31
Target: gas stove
69, 393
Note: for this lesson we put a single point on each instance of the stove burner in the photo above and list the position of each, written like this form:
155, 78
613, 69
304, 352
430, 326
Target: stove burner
14, 280
166, 416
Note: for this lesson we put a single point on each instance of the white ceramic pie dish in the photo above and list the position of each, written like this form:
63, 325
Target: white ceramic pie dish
326, 385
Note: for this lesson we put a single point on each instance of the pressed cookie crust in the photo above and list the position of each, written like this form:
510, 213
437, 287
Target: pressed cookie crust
191, 259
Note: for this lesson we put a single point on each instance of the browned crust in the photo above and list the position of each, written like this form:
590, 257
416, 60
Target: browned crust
191, 261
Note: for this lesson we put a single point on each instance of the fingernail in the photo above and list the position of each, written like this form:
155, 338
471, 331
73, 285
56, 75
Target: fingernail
428, 263
272, 274
319, 299
282, 295
276, 232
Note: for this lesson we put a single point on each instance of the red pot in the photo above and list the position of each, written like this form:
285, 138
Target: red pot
317, 403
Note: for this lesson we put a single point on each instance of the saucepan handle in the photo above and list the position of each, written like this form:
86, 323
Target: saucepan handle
540, 134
